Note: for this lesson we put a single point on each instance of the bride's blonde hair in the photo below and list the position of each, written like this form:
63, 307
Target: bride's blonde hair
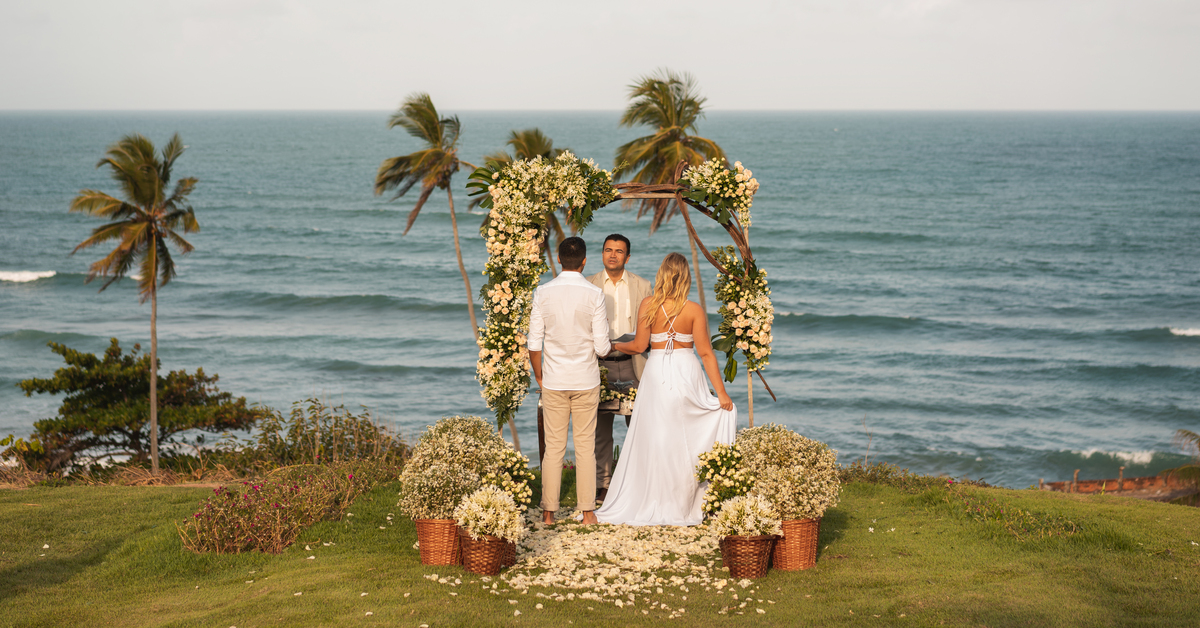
672, 283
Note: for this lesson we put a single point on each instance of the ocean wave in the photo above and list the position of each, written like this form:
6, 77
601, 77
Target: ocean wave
359, 302
351, 366
1184, 332
25, 276
1131, 457
846, 322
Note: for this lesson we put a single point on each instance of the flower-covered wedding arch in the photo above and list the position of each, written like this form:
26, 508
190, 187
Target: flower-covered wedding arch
520, 195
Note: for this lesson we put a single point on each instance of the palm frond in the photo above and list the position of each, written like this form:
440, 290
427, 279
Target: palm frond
185, 247
170, 153
419, 117
104, 233
98, 203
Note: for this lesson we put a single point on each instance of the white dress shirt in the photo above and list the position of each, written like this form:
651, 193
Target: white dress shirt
569, 326
617, 305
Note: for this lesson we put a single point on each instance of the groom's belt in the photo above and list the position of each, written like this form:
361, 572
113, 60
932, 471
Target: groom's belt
621, 358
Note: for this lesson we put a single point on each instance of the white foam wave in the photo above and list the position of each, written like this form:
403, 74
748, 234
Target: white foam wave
1185, 332
1128, 457
24, 276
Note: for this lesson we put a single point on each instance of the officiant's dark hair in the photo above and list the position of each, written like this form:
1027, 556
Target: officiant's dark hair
571, 253
620, 238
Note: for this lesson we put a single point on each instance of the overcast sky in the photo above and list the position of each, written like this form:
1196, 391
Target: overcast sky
559, 54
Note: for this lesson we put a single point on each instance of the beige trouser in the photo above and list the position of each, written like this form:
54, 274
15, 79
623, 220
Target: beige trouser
559, 407
621, 371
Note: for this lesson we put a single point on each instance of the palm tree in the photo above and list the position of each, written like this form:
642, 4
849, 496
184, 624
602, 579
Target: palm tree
670, 103
143, 224
432, 167
528, 144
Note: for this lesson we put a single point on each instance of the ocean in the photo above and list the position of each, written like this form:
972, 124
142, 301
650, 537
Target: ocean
1001, 296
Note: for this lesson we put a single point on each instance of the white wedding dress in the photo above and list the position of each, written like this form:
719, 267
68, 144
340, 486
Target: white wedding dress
675, 419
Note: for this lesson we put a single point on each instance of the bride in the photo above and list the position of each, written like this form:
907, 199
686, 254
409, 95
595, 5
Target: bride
675, 417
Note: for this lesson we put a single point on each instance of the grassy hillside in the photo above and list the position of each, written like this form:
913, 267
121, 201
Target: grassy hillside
887, 556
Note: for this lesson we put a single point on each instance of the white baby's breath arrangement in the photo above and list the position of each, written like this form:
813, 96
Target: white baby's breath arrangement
490, 511
799, 475
746, 515
468, 441
466, 444
435, 492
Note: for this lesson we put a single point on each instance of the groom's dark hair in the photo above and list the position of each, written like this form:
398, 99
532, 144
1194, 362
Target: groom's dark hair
571, 253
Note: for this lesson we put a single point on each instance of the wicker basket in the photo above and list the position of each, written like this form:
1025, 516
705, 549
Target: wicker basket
510, 554
797, 548
747, 556
439, 541
486, 555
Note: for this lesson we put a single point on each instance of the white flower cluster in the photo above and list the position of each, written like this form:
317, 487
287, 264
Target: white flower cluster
746, 515
435, 492
511, 473
732, 188
799, 475
747, 314
490, 511
453, 458
722, 468
522, 195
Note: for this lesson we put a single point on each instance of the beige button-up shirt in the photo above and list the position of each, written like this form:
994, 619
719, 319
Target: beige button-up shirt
569, 326
617, 305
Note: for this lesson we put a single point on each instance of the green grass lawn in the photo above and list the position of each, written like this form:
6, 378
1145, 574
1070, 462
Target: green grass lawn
115, 559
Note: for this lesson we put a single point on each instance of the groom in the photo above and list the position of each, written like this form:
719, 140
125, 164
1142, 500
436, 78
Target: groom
568, 330
623, 293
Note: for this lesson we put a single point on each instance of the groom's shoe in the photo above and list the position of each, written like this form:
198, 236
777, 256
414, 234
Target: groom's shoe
601, 494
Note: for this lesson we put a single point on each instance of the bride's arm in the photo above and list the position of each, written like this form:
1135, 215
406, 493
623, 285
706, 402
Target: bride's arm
642, 340
704, 349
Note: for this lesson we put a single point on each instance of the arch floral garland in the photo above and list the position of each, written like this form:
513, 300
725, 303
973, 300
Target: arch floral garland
522, 194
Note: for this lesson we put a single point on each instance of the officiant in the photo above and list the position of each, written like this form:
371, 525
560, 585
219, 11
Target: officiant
623, 293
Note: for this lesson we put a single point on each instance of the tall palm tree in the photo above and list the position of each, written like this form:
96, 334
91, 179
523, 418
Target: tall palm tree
432, 167
670, 103
528, 144
143, 225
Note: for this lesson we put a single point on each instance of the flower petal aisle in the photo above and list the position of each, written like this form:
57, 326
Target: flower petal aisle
647, 568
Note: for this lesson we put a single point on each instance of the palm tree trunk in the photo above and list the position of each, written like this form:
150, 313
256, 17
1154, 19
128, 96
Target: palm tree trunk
154, 373
462, 269
699, 281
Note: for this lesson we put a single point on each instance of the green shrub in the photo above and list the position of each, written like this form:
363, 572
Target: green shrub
312, 433
106, 411
269, 514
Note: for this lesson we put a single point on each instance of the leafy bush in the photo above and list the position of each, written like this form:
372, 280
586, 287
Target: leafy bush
106, 410
268, 515
312, 433
891, 475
